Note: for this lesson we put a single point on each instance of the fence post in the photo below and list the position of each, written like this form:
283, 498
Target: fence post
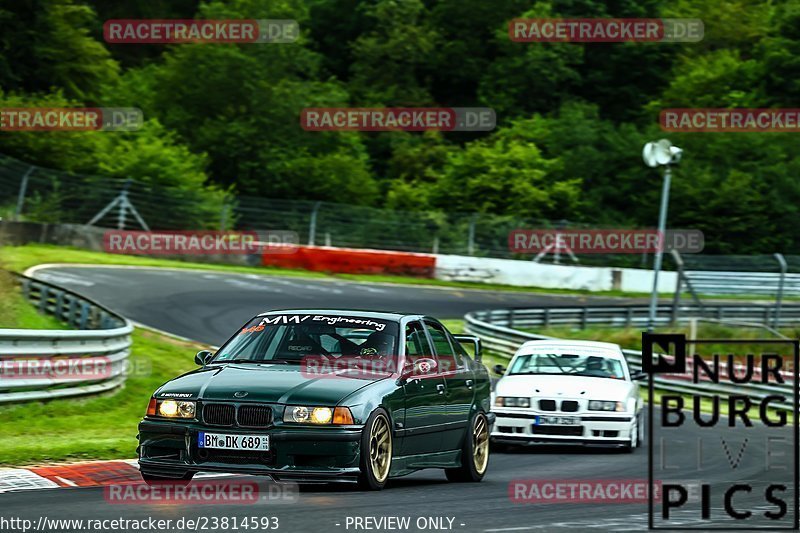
584, 317
223, 216
312, 224
471, 235
676, 298
23, 189
779, 297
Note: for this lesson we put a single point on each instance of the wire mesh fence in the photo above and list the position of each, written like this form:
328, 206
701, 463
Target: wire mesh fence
37, 194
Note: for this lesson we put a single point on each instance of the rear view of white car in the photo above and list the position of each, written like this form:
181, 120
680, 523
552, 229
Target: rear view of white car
561, 391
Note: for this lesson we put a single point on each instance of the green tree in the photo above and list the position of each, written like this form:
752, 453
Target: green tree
47, 44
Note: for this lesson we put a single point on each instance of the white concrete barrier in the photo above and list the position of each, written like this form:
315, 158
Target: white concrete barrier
530, 274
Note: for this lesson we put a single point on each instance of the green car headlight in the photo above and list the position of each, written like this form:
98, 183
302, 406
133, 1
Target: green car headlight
301, 414
172, 408
599, 405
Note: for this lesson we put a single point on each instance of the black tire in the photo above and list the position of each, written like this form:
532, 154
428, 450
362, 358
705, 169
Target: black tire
181, 480
468, 472
630, 447
368, 480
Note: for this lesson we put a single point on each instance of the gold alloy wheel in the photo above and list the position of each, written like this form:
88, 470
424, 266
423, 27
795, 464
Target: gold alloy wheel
480, 444
380, 448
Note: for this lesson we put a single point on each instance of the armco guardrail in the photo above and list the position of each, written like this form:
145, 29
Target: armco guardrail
637, 315
496, 330
45, 364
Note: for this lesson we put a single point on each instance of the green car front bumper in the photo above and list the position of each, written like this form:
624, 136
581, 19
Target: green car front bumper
302, 453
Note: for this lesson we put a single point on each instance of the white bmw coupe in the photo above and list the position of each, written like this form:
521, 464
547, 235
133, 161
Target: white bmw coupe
563, 391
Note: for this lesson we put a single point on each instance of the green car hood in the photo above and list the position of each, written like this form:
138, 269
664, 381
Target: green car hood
285, 384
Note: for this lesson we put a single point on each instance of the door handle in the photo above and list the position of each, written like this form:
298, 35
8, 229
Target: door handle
440, 388
468, 383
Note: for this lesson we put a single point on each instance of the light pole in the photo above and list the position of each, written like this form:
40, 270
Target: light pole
660, 153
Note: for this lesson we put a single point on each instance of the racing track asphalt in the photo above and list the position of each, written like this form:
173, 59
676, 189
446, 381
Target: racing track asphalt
207, 306
210, 306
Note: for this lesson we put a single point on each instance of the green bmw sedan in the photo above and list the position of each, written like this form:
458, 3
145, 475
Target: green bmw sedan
325, 395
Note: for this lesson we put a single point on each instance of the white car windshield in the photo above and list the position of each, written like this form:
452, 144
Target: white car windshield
567, 364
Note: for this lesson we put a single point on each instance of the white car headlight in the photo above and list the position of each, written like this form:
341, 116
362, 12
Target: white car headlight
512, 401
602, 405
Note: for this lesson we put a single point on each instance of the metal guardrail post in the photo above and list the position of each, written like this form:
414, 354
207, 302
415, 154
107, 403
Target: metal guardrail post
83, 321
584, 317
57, 312
72, 317
43, 299
779, 297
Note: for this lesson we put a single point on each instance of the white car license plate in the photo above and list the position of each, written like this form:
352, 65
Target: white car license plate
233, 442
557, 421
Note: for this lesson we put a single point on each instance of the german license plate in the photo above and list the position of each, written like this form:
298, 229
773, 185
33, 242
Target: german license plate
542, 420
222, 441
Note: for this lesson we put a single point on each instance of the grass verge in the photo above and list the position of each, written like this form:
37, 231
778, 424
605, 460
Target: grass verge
94, 427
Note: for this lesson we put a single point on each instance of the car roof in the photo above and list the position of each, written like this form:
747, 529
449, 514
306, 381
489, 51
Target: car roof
564, 345
380, 315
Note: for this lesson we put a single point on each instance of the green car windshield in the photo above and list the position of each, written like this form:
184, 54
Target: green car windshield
290, 338
568, 364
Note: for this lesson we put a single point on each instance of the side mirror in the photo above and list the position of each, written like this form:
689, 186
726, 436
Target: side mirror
424, 366
499, 369
474, 341
639, 376
203, 357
